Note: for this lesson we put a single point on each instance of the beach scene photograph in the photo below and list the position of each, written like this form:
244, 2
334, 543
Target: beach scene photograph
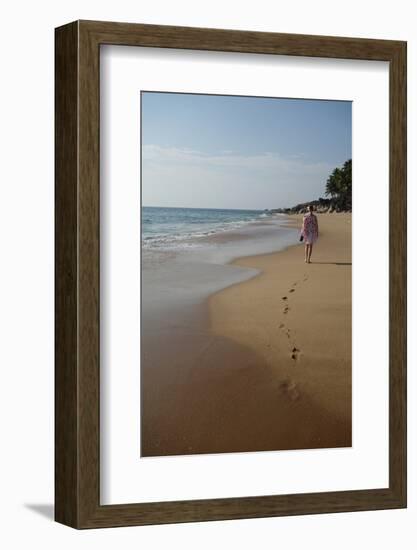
246, 265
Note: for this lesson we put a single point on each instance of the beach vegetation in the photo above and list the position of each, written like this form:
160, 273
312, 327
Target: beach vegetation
339, 187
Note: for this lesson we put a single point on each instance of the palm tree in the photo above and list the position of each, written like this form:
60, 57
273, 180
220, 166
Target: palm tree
339, 186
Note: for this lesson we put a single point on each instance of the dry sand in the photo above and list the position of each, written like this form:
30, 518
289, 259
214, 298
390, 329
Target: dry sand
267, 365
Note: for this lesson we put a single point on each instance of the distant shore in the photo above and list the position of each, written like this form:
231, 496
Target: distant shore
265, 364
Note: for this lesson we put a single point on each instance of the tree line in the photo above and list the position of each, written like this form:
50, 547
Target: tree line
339, 187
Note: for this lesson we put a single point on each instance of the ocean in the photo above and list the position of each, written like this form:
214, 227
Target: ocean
186, 253
183, 227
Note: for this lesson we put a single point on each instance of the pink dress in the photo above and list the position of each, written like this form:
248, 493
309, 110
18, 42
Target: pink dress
310, 228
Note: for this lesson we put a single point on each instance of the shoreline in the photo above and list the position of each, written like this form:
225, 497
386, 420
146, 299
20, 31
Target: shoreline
245, 376
185, 276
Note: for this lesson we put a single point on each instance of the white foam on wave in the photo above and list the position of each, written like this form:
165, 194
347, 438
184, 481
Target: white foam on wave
190, 239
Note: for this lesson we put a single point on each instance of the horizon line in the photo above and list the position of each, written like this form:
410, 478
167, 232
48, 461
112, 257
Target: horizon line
203, 207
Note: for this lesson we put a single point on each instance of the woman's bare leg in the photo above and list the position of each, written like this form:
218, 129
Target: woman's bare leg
306, 252
310, 250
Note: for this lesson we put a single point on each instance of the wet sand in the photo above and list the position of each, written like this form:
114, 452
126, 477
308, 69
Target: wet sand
264, 364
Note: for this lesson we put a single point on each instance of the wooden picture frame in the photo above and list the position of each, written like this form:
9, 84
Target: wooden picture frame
77, 370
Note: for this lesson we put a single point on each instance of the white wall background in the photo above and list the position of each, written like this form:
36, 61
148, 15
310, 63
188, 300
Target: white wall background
26, 272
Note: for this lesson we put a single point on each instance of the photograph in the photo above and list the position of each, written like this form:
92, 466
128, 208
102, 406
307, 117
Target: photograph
246, 230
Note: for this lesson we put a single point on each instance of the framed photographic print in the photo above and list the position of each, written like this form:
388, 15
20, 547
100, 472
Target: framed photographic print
230, 274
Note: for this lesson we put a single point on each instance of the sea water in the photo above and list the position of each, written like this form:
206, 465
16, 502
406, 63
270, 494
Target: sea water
186, 253
182, 227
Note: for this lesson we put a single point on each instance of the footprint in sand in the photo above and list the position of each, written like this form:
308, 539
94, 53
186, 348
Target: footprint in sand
295, 353
285, 330
284, 298
292, 290
286, 310
289, 389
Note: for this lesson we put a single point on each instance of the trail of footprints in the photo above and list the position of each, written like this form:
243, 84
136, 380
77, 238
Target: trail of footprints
290, 389
294, 350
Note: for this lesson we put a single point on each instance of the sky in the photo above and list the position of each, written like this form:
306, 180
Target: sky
208, 151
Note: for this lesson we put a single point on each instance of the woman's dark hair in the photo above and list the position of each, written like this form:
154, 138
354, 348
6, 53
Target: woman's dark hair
311, 208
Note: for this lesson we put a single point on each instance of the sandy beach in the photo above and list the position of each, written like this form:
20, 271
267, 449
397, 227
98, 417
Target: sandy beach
265, 364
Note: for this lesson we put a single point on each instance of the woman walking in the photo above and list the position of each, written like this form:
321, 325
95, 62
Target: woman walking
309, 232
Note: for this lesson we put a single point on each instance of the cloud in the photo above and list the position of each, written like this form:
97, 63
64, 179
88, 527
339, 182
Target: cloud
228, 159
186, 177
